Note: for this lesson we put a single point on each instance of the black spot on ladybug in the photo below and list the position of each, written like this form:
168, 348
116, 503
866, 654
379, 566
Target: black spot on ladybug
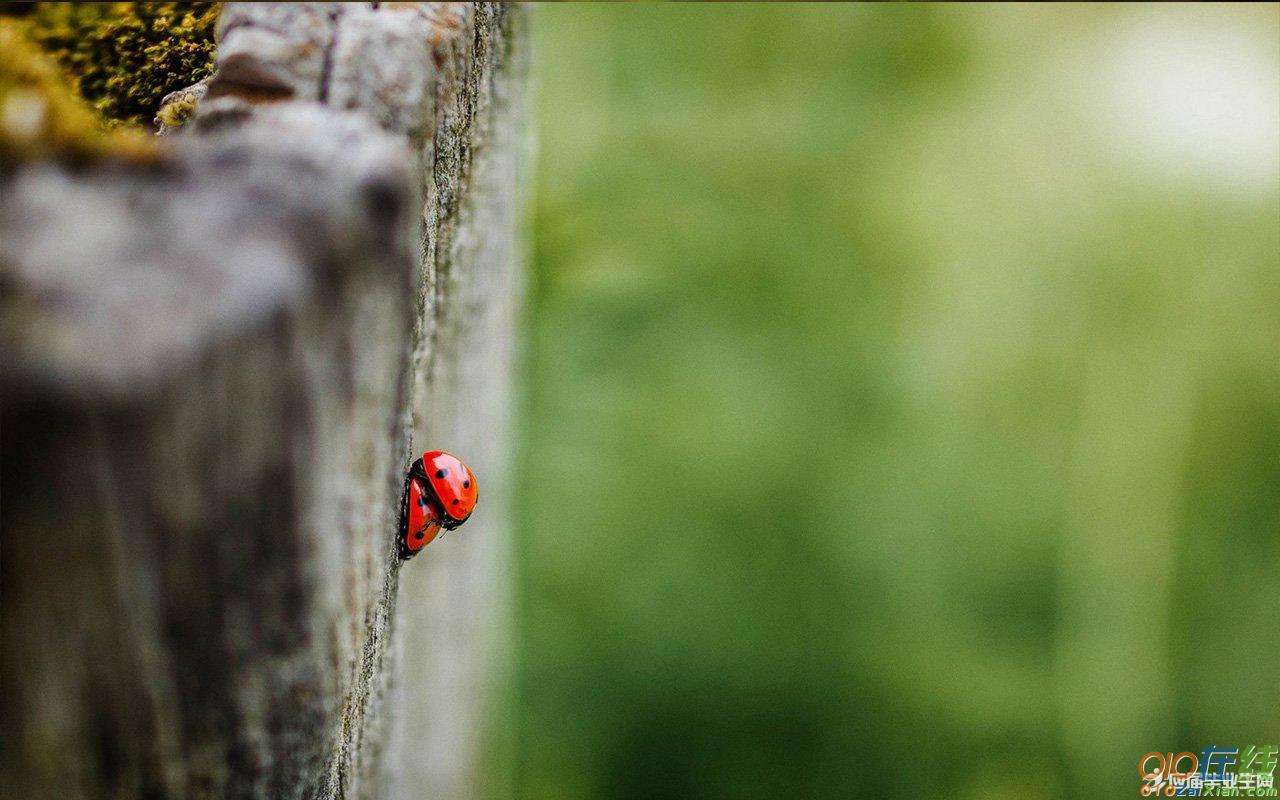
455, 501
466, 484
440, 473
418, 535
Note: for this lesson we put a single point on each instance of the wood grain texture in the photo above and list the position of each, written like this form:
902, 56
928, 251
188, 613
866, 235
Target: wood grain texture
215, 372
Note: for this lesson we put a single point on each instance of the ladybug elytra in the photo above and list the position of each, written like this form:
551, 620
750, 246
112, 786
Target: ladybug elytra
439, 493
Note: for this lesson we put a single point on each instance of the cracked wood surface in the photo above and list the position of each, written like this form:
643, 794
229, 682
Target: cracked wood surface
215, 373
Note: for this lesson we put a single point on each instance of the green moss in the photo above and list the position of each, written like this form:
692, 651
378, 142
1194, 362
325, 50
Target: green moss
123, 58
40, 116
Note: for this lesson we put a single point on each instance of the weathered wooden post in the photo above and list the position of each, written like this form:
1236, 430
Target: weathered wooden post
215, 371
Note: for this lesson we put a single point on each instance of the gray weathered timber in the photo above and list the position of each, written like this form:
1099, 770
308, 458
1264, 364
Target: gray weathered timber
214, 374
455, 607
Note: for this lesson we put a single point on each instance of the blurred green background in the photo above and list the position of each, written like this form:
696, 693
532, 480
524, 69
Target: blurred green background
902, 407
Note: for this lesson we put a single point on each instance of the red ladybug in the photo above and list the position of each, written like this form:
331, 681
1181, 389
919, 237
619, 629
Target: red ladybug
439, 492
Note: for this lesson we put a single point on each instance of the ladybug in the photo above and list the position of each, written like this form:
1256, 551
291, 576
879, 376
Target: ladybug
439, 493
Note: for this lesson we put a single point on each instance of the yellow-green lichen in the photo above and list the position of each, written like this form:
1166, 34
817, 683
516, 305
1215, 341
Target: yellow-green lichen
177, 108
123, 58
40, 117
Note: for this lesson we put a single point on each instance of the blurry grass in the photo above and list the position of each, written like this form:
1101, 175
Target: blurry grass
890, 429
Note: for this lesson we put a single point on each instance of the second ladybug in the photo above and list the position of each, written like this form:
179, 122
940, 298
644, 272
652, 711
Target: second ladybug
439, 493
